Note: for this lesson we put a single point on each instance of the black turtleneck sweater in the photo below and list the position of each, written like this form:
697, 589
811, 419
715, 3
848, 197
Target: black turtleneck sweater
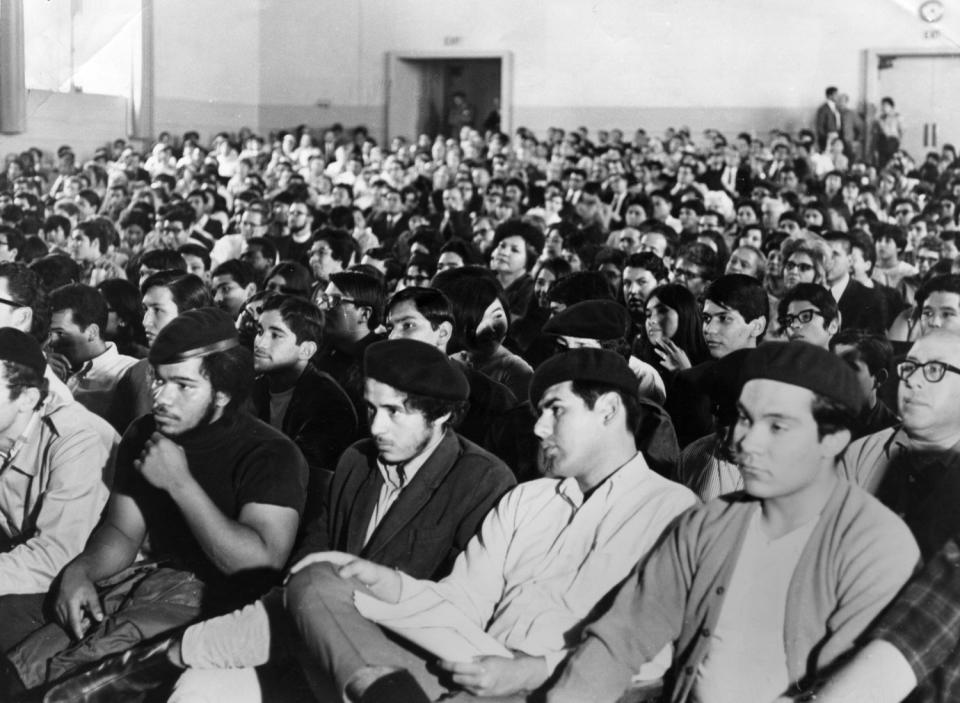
236, 460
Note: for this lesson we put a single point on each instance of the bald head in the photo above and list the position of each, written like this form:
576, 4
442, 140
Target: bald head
931, 408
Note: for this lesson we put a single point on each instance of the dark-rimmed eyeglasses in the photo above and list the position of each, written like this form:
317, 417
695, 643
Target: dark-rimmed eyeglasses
798, 266
686, 274
933, 371
11, 303
804, 317
330, 301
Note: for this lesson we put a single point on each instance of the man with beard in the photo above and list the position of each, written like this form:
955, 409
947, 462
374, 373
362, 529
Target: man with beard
210, 495
411, 497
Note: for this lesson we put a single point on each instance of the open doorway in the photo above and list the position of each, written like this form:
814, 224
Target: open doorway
421, 94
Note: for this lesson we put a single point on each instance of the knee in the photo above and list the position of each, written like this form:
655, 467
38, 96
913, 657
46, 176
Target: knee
316, 581
215, 685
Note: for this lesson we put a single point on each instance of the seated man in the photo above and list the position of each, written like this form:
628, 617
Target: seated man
52, 487
210, 494
808, 313
165, 295
543, 559
735, 310
77, 325
831, 557
871, 356
411, 497
290, 394
233, 283
914, 467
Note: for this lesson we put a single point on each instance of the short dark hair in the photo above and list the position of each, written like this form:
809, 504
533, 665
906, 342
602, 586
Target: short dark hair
367, 290
198, 250
701, 255
343, 247
267, 248
816, 295
831, 416
470, 290
230, 372
86, 304
742, 293
26, 289
14, 238
96, 233
429, 302
946, 283
56, 270
873, 349
163, 259
239, 270
649, 261
435, 408
189, 292
580, 286
892, 232
296, 275
590, 392
303, 318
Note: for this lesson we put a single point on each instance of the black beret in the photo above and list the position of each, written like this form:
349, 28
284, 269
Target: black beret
193, 334
21, 348
589, 365
415, 367
591, 319
807, 366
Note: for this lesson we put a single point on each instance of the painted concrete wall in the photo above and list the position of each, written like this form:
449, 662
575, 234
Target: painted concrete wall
728, 64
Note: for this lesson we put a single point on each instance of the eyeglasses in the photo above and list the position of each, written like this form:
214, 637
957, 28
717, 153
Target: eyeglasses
11, 303
330, 301
686, 274
903, 211
933, 371
797, 266
804, 317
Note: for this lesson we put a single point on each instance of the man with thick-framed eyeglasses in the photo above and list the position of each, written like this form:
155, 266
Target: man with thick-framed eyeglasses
807, 312
914, 468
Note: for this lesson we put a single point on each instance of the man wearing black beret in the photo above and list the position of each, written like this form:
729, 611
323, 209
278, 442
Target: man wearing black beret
210, 496
542, 560
759, 591
410, 497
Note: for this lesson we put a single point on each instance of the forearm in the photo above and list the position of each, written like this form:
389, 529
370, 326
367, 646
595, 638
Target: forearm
879, 673
108, 551
229, 544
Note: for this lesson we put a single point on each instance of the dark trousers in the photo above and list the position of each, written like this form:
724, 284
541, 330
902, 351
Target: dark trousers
138, 603
338, 641
20, 614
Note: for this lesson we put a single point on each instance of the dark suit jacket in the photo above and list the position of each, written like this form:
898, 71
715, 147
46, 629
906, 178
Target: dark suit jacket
826, 122
862, 308
387, 233
321, 421
434, 517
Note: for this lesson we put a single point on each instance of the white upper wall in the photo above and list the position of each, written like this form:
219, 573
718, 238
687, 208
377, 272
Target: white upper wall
572, 58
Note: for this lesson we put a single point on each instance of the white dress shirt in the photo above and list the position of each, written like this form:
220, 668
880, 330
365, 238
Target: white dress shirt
545, 557
94, 383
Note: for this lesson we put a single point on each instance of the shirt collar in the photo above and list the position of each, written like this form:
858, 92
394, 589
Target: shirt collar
623, 479
391, 475
27, 448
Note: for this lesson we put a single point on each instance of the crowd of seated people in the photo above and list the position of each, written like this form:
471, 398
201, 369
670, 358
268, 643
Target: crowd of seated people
656, 417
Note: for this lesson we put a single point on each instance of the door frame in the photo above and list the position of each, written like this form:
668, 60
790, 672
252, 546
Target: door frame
871, 78
506, 79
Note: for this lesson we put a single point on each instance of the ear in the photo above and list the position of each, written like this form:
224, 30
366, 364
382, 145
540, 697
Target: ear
610, 406
445, 330
306, 350
92, 332
759, 325
27, 400
221, 399
834, 326
833, 444
250, 290
365, 311
881, 378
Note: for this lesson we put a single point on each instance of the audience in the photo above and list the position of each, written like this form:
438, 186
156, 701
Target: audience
726, 274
